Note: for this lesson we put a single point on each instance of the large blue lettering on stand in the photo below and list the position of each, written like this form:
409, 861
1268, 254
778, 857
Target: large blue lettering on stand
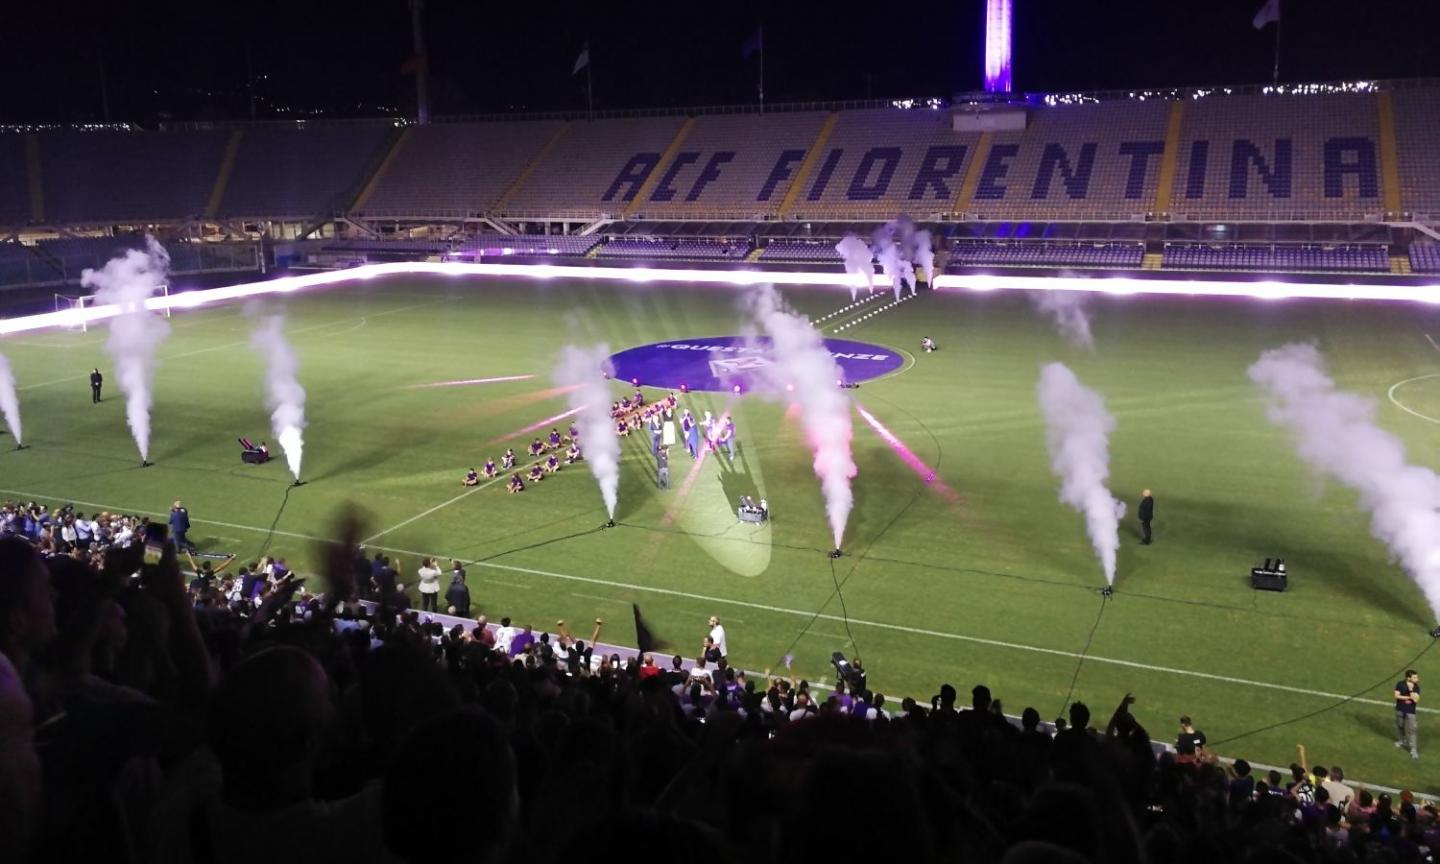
1076, 179
861, 189
1139, 153
663, 190
1351, 156
632, 176
996, 167
942, 161
780, 173
1275, 172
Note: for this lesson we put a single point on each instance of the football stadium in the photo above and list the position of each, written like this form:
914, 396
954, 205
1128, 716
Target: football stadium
430, 467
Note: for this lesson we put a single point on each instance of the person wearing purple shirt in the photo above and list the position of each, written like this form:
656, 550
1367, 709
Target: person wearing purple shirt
522, 642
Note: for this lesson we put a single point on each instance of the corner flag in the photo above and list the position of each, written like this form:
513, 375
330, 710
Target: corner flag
583, 60
1268, 14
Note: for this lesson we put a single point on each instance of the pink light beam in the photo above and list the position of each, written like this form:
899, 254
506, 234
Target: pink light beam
548, 421
468, 381
915, 463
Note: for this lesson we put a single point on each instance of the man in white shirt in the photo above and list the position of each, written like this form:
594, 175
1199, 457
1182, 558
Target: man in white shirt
717, 633
700, 674
504, 635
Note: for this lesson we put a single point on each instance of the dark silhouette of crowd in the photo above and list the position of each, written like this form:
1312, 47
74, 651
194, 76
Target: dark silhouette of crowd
148, 716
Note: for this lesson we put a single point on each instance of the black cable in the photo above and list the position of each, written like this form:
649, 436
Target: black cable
1084, 652
1345, 701
844, 613
270, 534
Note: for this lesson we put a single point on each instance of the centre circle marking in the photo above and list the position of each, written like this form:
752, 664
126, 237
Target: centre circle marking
717, 363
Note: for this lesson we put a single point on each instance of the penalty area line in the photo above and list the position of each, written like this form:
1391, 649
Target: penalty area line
779, 610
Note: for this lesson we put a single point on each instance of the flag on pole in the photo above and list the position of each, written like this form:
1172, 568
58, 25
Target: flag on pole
1268, 14
583, 60
753, 45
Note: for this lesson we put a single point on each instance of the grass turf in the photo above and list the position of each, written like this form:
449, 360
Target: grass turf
999, 586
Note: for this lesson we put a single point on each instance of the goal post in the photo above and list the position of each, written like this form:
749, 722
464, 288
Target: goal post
66, 302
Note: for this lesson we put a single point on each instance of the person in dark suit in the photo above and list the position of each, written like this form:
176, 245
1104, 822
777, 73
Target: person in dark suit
1147, 515
457, 596
96, 380
180, 527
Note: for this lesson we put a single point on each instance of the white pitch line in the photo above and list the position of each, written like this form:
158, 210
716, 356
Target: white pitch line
416, 518
1432, 342
764, 607
1402, 406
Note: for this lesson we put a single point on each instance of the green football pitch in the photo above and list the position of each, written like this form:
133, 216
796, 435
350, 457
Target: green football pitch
996, 584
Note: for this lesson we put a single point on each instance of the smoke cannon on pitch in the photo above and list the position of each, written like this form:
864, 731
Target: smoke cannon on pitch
858, 262
1336, 433
10, 401
1077, 431
801, 368
584, 371
136, 332
283, 394
924, 256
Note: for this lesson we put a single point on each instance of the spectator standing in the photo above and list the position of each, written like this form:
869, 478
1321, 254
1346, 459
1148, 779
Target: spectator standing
429, 576
1147, 515
180, 527
504, 636
1334, 782
457, 596
1407, 699
717, 633
1190, 743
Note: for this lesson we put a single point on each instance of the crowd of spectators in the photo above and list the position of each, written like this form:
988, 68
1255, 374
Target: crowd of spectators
147, 716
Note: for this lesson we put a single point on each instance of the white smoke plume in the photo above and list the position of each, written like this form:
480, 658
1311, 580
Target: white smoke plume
1067, 308
858, 261
136, 333
283, 394
891, 246
924, 255
582, 370
9, 401
1077, 430
802, 369
1335, 432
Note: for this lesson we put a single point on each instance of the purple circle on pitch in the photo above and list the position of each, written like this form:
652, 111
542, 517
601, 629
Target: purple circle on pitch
720, 362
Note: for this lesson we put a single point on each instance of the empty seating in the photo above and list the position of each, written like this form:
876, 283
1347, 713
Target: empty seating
736, 166
1425, 257
1360, 258
645, 247
818, 251
297, 173
598, 167
97, 177
544, 245
457, 168
1279, 156
19, 265
1417, 138
1081, 254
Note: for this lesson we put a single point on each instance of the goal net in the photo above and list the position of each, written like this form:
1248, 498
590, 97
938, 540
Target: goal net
65, 302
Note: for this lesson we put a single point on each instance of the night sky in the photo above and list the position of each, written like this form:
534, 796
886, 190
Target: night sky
186, 61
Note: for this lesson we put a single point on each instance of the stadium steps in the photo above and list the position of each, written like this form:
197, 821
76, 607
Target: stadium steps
648, 187
49, 259
33, 177
363, 197
515, 185
754, 254
340, 203
972, 176
807, 165
595, 250
1399, 265
1151, 261
1164, 184
222, 178
1389, 156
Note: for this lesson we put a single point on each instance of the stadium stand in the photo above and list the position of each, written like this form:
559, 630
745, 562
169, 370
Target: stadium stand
637, 247
801, 251
884, 161
1417, 140
1114, 255
598, 167
1075, 162
1425, 257
1279, 157
457, 168
735, 166
19, 265
14, 187
499, 245
290, 173
99, 177
1302, 259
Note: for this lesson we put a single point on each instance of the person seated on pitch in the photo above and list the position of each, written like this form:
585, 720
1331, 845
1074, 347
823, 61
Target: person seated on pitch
927, 344
574, 432
264, 450
622, 428
671, 401
516, 484
508, 460
615, 409
536, 475
472, 478
536, 447
489, 469
552, 464
554, 439
625, 405
573, 454
639, 398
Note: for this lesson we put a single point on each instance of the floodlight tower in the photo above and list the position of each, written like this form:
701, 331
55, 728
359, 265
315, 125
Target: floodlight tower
997, 45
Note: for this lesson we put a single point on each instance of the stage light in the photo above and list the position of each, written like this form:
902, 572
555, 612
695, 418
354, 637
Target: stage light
736, 388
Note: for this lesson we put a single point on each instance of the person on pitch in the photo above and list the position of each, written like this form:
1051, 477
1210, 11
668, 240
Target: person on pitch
662, 467
552, 464
516, 484
573, 454
96, 382
1407, 701
927, 344
507, 462
489, 469
726, 437
692, 435
536, 447
1147, 515
472, 478
536, 474
655, 432
554, 443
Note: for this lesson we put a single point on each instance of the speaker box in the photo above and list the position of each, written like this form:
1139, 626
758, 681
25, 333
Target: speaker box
1267, 580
